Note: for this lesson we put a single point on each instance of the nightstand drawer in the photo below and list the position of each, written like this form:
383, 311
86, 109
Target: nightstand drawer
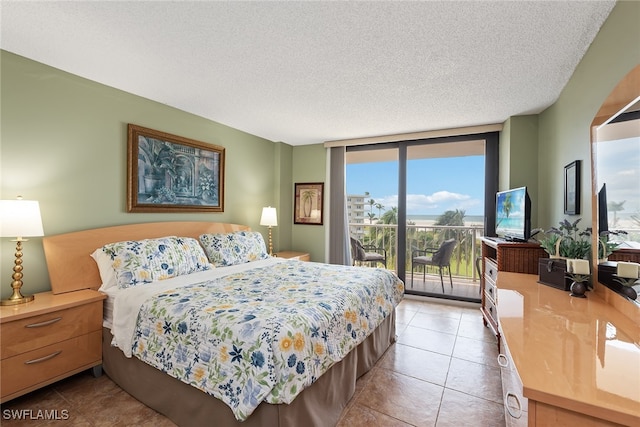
45, 365
31, 333
302, 256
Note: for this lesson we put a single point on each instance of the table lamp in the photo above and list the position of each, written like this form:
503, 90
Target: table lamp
270, 219
19, 218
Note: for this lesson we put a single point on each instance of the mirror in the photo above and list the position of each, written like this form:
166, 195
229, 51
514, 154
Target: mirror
615, 138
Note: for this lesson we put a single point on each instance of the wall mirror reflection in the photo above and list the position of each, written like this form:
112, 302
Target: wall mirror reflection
616, 174
618, 177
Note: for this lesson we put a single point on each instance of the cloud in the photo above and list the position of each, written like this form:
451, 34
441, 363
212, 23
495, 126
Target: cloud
431, 204
447, 196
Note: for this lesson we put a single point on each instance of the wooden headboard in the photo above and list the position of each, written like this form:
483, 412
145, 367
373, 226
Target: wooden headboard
68, 255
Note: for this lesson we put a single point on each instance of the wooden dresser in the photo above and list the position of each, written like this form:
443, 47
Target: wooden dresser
48, 339
565, 361
501, 255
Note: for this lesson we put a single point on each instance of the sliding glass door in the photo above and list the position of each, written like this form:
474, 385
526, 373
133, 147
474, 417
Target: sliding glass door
410, 197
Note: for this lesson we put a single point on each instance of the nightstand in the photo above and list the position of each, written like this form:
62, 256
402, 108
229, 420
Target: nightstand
48, 339
302, 256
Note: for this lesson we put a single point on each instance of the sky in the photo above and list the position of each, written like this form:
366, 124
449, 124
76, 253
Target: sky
433, 185
617, 164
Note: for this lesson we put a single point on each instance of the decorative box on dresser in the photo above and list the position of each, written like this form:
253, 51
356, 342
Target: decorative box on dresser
565, 361
49, 338
302, 256
501, 255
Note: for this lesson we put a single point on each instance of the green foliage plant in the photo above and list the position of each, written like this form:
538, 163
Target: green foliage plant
567, 241
576, 243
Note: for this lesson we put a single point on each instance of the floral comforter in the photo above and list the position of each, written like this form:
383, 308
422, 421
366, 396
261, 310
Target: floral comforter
263, 334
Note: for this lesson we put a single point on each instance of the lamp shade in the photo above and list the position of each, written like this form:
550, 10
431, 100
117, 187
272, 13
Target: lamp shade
269, 217
20, 218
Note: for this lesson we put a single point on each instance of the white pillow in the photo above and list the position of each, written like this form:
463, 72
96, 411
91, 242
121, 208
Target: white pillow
107, 273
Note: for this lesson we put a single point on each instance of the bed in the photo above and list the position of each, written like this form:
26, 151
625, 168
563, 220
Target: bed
303, 342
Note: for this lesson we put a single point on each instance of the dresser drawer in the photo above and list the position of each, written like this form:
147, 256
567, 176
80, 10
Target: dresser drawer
515, 404
490, 308
34, 332
490, 270
490, 289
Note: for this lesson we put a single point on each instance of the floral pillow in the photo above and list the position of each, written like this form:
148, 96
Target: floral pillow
234, 248
137, 262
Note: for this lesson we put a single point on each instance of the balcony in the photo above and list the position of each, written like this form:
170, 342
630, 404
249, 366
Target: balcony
464, 268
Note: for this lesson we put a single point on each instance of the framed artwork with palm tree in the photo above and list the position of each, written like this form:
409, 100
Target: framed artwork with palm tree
307, 207
169, 173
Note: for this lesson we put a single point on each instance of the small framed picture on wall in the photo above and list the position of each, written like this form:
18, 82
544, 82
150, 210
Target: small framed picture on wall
307, 208
572, 188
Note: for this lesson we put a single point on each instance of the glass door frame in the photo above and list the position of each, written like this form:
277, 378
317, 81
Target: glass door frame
491, 180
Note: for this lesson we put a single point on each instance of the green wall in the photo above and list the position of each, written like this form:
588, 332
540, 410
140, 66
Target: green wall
564, 134
518, 158
63, 143
309, 165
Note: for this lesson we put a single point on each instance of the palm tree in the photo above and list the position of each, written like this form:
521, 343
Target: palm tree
455, 218
158, 161
507, 205
388, 234
371, 216
380, 208
390, 216
371, 202
307, 201
615, 207
451, 218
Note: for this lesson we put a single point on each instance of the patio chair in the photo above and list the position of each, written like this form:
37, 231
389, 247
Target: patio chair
436, 257
367, 253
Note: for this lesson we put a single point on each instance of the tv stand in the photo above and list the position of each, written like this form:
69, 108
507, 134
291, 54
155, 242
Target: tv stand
503, 255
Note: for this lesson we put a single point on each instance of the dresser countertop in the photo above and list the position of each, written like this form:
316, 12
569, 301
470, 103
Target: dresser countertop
577, 353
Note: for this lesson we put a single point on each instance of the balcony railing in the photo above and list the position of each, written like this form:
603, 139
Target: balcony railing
463, 260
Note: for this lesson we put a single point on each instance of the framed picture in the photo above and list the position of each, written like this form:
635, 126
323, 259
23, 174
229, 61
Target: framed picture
168, 173
307, 207
572, 188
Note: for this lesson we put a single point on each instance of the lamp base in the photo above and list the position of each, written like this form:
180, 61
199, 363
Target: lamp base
17, 297
22, 299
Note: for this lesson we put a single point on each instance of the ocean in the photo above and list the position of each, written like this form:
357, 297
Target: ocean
430, 219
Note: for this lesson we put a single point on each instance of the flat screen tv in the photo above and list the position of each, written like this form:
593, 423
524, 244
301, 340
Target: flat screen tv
513, 214
603, 216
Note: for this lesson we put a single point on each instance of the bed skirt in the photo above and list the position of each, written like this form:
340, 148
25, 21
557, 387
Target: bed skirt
318, 405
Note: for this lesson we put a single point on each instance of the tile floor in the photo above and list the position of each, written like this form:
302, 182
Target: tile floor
441, 372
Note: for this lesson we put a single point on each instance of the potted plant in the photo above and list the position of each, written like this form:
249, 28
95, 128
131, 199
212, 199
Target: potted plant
578, 271
564, 244
605, 246
567, 241
158, 160
628, 275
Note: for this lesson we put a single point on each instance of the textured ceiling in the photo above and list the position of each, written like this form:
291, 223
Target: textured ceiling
308, 72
